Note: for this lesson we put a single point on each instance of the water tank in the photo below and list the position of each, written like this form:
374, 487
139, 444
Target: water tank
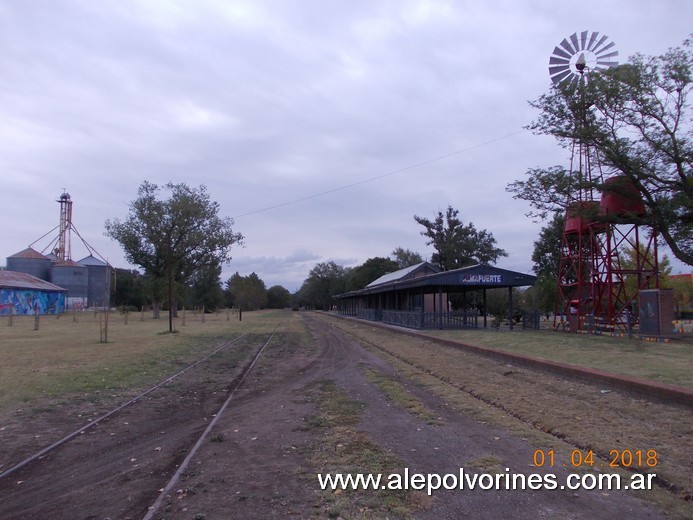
579, 215
99, 290
31, 262
621, 199
75, 278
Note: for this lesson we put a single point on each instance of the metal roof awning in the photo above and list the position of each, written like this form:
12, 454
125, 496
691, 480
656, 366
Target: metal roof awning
480, 276
17, 280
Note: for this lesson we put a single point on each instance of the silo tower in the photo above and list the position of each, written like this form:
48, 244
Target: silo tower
597, 286
64, 248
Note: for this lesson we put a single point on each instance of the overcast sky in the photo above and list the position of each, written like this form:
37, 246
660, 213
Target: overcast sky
322, 127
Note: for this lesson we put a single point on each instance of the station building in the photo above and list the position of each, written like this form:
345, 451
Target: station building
417, 297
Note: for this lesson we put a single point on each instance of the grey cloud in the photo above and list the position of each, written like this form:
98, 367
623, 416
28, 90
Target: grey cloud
272, 102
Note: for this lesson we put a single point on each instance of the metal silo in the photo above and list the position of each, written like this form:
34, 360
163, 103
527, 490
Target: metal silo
99, 290
75, 278
31, 262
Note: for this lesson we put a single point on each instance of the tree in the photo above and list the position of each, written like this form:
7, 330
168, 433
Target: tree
405, 257
682, 286
544, 294
278, 297
370, 270
249, 293
205, 289
324, 281
130, 289
173, 238
637, 119
547, 258
457, 245
547, 249
628, 264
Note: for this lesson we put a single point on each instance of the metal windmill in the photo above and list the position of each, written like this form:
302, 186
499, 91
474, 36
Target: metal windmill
596, 289
577, 55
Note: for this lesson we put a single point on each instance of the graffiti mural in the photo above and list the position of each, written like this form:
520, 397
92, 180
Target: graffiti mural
27, 301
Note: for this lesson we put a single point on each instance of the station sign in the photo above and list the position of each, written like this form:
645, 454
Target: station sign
481, 278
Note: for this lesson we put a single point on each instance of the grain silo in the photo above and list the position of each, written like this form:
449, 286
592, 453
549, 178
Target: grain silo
75, 278
88, 282
31, 262
99, 290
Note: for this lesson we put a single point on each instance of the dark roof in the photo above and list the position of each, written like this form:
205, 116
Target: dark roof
29, 253
17, 280
480, 276
477, 276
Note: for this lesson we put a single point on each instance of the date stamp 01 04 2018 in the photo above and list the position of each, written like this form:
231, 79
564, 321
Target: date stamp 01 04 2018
633, 459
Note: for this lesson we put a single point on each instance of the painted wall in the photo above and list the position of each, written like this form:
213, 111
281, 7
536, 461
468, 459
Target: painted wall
26, 301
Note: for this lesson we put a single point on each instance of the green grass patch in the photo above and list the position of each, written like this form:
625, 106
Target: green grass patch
398, 394
487, 464
670, 363
341, 448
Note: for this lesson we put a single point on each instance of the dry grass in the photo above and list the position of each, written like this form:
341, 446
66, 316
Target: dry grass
344, 449
670, 363
66, 357
398, 394
547, 410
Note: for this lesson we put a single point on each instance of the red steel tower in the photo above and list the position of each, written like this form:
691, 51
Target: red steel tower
606, 259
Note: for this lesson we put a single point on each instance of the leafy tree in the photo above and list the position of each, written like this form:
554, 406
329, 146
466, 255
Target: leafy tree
405, 257
370, 270
173, 238
278, 297
205, 289
130, 289
547, 257
457, 245
682, 286
544, 293
547, 249
628, 260
498, 304
248, 292
324, 281
637, 120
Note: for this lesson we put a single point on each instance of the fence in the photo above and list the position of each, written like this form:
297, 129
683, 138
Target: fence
431, 320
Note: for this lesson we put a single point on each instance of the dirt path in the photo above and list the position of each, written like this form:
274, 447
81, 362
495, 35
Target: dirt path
265, 466
262, 459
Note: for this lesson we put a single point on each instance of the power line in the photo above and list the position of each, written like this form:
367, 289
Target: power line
371, 179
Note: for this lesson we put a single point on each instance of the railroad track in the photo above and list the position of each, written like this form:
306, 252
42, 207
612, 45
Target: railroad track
184, 465
114, 411
57, 469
